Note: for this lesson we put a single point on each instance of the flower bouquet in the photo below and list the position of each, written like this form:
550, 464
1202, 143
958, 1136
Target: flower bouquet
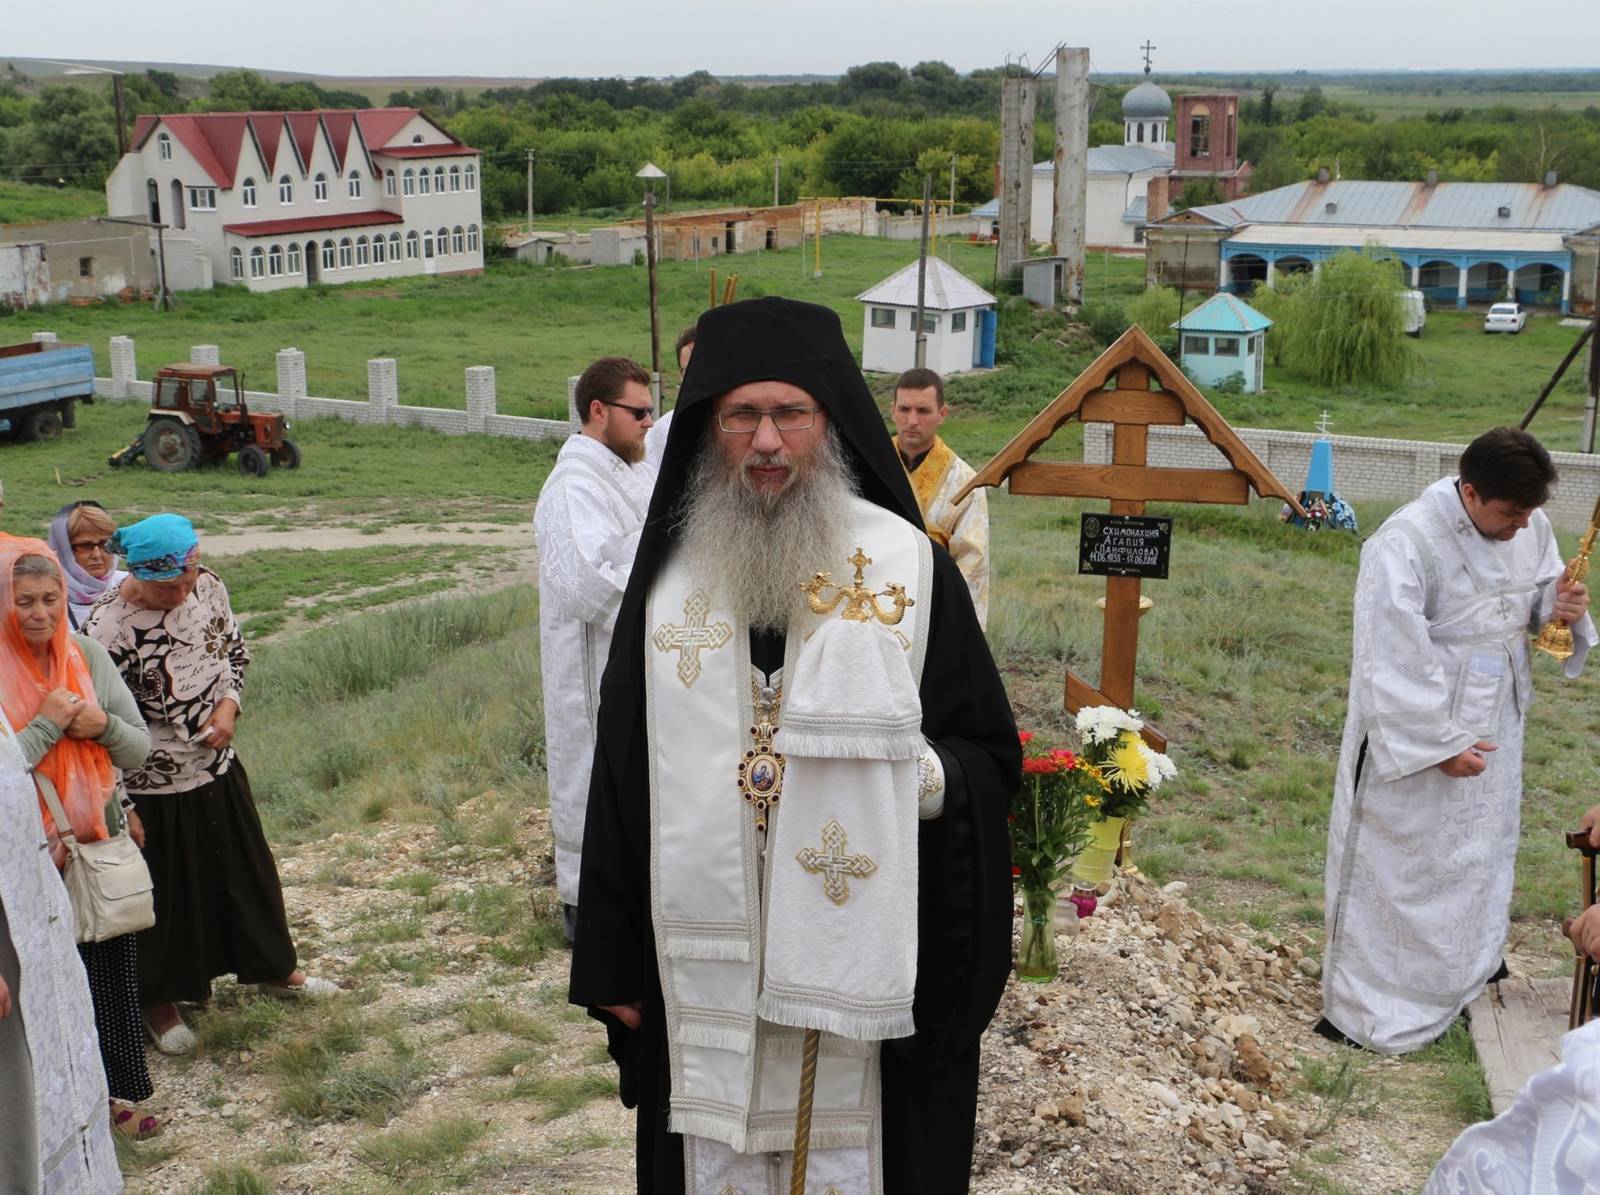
1050, 820
1129, 771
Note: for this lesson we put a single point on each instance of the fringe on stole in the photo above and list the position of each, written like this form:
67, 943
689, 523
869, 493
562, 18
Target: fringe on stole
857, 1024
831, 740
733, 1133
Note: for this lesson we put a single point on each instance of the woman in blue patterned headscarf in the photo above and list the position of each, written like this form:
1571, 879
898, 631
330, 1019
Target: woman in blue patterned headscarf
219, 906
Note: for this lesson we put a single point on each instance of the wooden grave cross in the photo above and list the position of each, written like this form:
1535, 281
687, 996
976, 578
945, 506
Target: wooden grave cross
1133, 386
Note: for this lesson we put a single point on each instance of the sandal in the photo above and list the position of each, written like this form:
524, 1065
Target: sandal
125, 1123
309, 988
174, 1042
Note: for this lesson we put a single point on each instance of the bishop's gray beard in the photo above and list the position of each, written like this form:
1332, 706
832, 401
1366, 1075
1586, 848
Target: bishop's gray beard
753, 550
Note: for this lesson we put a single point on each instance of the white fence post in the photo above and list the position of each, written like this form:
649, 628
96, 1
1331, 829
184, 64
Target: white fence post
481, 401
124, 369
44, 338
291, 380
205, 354
383, 389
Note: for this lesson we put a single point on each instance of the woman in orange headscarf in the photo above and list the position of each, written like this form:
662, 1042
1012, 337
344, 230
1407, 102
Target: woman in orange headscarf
76, 723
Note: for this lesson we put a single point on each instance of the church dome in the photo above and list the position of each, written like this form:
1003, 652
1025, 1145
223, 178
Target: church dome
1146, 102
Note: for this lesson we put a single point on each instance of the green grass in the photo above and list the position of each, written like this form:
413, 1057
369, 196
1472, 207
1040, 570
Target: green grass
34, 203
233, 1180
426, 1152
561, 1095
1461, 1078
1391, 105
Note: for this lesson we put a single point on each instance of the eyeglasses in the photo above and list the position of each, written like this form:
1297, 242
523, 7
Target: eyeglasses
639, 413
92, 545
743, 421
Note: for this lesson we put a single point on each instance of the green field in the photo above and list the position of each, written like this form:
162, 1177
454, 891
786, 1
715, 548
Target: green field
30, 203
1391, 105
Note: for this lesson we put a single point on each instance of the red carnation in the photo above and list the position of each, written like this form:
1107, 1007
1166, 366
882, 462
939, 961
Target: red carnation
1024, 736
1015, 871
1041, 765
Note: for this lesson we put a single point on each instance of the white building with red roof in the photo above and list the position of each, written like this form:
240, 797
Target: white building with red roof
286, 199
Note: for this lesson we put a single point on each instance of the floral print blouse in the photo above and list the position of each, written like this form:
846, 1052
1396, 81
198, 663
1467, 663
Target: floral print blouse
179, 665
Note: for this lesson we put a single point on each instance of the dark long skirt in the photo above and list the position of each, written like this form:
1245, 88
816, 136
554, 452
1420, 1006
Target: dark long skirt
113, 969
219, 906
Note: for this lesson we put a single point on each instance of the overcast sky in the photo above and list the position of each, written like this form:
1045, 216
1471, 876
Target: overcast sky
540, 38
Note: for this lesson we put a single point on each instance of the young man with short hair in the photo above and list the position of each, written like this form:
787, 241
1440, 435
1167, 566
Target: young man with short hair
587, 524
937, 475
1422, 840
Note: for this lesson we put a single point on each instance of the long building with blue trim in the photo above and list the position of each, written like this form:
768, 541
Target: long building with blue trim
1460, 242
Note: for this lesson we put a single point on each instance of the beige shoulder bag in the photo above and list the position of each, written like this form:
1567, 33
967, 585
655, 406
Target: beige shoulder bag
108, 881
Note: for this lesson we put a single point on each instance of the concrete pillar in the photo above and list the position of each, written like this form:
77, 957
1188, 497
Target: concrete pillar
1016, 170
1416, 276
1272, 270
383, 389
1069, 225
1225, 275
1316, 268
124, 370
480, 397
1566, 292
1461, 287
205, 354
291, 380
573, 417
44, 338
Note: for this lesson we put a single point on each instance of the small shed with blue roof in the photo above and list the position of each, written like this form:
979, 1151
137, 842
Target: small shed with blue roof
1222, 337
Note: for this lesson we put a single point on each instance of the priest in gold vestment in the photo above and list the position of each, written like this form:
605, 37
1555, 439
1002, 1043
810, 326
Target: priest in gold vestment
937, 476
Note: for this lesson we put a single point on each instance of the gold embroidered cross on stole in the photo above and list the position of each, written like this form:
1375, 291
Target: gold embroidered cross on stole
833, 865
693, 636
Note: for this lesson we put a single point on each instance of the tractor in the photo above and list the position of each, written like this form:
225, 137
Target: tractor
198, 414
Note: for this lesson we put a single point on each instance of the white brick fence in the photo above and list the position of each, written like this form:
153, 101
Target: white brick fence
1365, 468
382, 404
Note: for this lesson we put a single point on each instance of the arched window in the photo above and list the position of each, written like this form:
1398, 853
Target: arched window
294, 257
362, 255
427, 244
394, 247
355, 184
247, 192
286, 190
438, 179
472, 177
1139, 132
319, 188
346, 259
258, 262
388, 183
275, 261
164, 147
411, 245
472, 238
444, 241
424, 181
377, 250
236, 256
410, 181
327, 255
458, 240
455, 178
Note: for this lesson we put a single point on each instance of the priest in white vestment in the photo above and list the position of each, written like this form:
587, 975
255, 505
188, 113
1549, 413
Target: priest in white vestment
655, 440
937, 476
587, 523
1422, 839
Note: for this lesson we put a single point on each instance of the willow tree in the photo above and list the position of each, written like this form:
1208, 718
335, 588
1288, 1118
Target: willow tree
1155, 310
1346, 326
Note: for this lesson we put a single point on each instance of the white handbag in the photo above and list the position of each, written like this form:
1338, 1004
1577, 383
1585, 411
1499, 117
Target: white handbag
108, 881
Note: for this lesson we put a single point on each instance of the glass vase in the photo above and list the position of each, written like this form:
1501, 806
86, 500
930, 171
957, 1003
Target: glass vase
1036, 957
1096, 863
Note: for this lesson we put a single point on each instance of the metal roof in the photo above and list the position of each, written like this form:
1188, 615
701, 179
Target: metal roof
1454, 240
1354, 202
989, 211
1136, 210
1118, 159
272, 228
1224, 313
1146, 101
948, 289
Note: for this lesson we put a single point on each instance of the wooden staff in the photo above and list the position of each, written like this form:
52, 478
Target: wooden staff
1584, 968
802, 1117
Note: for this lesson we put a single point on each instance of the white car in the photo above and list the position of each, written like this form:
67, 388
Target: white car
1506, 317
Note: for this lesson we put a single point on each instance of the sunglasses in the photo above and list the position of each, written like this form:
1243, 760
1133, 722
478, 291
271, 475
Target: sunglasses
92, 545
639, 413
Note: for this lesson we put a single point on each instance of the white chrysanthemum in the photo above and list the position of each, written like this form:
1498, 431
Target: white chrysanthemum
1161, 767
1103, 723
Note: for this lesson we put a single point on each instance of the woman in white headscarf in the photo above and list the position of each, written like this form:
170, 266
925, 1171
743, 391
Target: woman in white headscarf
56, 1136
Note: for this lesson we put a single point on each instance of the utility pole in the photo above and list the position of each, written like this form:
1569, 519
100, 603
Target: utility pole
655, 318
952, 184
1593, 387
122, 114
1016, 170
921, 351
1068, 229
164, 298
530, 190
777, 164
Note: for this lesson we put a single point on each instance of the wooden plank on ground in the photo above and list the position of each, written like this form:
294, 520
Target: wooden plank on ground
1516, 1027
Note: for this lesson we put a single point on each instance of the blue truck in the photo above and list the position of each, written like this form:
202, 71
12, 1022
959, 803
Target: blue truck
40, 387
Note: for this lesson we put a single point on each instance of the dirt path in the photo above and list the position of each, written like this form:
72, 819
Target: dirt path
328, 539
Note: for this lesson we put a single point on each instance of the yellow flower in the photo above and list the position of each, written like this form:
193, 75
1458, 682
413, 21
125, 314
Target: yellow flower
1092, 800
1128, 768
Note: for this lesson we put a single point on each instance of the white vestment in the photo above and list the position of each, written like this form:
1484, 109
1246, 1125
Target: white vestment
655, 440
73, 1154
587, 524
1546, 1143
962, 529
1419, 867
735, 1075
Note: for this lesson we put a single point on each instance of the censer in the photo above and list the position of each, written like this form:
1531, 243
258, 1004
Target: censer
1555, 637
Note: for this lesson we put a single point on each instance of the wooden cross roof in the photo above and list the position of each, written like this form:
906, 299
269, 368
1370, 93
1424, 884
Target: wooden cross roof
1132, 383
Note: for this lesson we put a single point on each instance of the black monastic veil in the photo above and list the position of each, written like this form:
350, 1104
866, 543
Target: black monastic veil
930, 1080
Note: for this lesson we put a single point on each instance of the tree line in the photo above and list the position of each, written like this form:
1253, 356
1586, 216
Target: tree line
876, 130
